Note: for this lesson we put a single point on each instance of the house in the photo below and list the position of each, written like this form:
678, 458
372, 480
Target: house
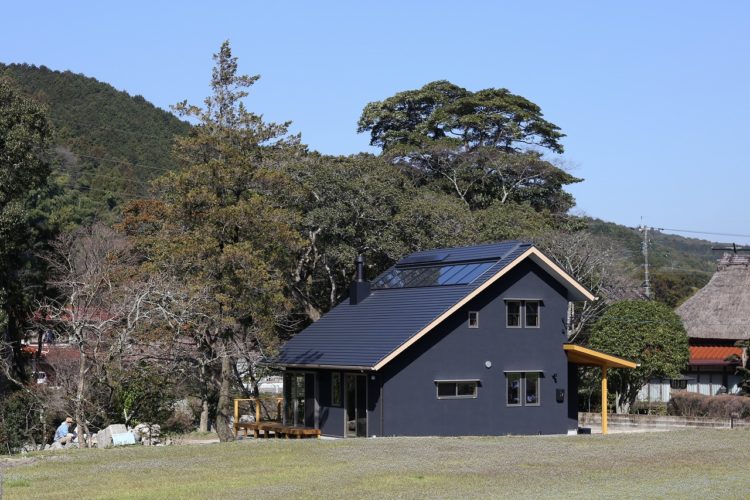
717, 319
456, 341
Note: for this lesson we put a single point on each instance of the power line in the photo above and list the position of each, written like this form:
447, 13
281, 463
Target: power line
122, 162
712, 233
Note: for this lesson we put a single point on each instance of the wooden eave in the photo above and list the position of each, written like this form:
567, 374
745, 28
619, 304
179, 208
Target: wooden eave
578, 292
588, 357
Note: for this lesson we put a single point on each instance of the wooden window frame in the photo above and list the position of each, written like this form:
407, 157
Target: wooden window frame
522, 319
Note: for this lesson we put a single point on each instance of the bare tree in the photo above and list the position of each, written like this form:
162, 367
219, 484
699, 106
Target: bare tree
99, 304
593, 264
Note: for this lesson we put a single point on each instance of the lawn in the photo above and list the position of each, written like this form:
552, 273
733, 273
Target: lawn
678, 464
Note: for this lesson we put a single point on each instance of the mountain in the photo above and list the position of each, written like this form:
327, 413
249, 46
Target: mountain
109, 144
678, 266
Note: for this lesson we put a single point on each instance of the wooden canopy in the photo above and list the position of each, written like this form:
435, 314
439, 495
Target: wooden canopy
588, 357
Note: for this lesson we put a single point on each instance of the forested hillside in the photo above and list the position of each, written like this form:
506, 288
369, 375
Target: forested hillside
215, 243
107, 143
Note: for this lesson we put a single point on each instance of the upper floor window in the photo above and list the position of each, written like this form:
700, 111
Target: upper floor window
514, 313
522, 313
473, 319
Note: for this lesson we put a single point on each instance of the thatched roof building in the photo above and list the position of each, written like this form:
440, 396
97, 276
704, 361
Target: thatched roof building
721, 309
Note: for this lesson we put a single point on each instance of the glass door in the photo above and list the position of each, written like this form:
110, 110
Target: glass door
296, 408
355, 392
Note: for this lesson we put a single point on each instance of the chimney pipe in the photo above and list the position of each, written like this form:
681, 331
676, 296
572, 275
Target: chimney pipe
359, 289
359, 262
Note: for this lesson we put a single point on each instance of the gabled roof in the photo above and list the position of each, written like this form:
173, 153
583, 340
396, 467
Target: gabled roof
370, 334
721, 309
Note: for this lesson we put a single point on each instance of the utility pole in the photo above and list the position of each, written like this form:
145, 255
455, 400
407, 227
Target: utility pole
646, 283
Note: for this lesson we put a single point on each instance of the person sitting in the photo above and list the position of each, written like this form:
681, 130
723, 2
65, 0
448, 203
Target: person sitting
63, 434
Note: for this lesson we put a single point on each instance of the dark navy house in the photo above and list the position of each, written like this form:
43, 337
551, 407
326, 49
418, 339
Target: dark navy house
457, 341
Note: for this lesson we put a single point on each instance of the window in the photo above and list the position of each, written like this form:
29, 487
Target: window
678, 383
473, 319
524, 388
532, 314
514, 389
335, 389
514, 313
457, 389
532, 389
528, 310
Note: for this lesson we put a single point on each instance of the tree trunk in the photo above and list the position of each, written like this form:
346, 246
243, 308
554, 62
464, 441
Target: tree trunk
203, 427
224, 406
79, 397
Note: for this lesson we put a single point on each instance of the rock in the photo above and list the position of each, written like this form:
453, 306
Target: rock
104, 436
56, 446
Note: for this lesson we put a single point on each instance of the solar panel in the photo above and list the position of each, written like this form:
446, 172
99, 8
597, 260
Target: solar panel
423, 259
412, 277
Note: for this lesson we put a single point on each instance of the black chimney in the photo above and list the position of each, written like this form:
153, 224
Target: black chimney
360, 289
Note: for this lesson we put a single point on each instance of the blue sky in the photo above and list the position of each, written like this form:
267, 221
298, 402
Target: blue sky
651, 95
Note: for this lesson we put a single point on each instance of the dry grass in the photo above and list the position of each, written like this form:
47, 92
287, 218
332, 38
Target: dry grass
679, 464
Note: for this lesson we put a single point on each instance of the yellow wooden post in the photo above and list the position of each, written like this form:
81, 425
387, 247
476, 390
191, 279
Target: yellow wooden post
604, 400
236, 417
257, 409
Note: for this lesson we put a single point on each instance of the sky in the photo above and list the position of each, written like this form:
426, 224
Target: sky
651, 95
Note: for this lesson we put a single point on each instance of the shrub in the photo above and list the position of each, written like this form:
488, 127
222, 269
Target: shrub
690, 404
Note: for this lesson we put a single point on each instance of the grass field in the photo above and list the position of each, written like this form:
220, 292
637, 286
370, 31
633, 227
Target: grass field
678, 464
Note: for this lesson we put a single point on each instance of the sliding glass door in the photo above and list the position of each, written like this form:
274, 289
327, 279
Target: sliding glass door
356, 405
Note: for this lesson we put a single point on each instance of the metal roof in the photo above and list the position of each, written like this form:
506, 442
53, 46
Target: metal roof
363, 335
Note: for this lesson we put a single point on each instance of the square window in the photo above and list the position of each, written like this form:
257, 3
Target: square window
473, 319
532, 314
335, 389
514, 313
524, 388
466, 389
446, 389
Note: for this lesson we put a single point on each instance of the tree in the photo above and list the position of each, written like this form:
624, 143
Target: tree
480, 146
219, 231
24, 138
591, 262
441, 110
98, 306
646, 332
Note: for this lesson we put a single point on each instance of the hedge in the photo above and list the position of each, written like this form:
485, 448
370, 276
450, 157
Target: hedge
691, 404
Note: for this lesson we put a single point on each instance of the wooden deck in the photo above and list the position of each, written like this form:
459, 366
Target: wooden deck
270, 428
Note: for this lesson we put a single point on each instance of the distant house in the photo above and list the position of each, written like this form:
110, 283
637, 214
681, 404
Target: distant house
716, 318
457, 341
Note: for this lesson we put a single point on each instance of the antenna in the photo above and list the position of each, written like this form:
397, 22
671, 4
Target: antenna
646, 283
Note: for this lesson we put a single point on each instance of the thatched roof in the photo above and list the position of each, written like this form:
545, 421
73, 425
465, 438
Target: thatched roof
721, 309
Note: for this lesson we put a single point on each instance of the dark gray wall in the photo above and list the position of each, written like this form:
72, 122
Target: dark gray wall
454, 351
